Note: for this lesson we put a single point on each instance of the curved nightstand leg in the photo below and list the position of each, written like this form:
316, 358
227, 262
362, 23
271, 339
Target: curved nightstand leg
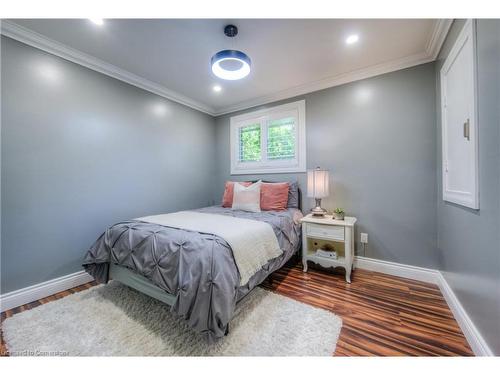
304, 247
348, 275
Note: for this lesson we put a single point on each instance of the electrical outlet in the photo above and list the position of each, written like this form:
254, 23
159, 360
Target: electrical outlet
364, 237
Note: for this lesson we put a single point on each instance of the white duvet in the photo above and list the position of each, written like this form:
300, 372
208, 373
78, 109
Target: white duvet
253, 242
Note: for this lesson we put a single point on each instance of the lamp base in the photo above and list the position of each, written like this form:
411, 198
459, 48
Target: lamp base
318, 211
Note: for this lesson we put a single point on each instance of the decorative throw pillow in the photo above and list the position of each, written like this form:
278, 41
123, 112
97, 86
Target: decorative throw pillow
227, 198
293, 194
247, 198
274, 196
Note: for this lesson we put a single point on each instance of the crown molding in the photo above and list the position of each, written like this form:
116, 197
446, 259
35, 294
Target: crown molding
438, 36
433, 46
341, 79
34, 39
27, 36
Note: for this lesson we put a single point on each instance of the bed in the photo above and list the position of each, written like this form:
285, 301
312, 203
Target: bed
195, 273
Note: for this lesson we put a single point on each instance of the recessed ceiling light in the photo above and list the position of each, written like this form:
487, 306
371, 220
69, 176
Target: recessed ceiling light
351, 39
97, 21
217, 88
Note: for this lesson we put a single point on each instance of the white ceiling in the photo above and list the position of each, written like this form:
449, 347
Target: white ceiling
289, 57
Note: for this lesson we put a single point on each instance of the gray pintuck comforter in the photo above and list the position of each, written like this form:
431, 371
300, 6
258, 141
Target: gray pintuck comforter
197, 268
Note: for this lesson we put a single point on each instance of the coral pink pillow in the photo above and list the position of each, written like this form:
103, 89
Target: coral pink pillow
274, 196
227, 198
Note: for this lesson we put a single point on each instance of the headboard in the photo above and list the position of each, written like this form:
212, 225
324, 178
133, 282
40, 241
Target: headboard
300, 196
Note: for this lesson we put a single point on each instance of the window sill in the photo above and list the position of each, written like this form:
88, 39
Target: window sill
267, 171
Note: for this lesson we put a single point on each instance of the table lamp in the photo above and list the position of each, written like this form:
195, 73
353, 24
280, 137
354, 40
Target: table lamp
317, 188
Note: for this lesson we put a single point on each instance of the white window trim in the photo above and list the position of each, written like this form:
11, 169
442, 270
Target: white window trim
299, 165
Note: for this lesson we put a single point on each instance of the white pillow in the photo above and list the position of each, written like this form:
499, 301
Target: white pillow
247, 198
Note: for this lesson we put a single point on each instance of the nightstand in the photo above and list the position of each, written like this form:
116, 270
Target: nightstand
330, 234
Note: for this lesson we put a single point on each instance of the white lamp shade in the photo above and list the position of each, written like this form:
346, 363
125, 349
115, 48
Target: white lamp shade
317, 183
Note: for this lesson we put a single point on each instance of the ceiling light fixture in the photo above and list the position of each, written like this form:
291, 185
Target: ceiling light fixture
351, 39
97, 21
231, 64
217, 88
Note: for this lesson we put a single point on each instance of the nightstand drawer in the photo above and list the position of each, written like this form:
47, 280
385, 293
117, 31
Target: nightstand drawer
325, 231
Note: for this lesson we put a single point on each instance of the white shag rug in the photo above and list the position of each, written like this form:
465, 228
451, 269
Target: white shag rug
114, 320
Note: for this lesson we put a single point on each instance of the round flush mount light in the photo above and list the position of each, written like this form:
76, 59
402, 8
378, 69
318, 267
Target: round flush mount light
351, 39
231, 64
217, 88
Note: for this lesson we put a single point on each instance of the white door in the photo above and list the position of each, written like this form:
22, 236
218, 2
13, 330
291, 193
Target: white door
459, 125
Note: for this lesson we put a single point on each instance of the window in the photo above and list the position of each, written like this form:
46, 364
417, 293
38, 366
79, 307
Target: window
269, 141
249, 140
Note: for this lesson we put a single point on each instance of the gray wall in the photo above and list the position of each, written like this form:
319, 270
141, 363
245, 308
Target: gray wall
378, 139
469, 240
81, 151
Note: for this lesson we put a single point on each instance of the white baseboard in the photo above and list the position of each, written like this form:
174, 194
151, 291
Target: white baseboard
397, 269
32, 293
473, 336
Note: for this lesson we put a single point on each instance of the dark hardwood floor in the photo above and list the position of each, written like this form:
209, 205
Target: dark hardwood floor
382, 315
